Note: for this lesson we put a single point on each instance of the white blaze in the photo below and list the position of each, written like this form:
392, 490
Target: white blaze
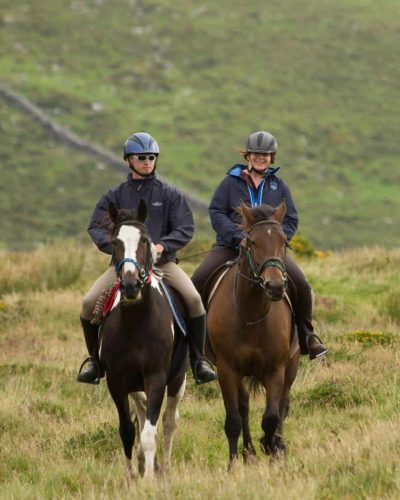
130, 236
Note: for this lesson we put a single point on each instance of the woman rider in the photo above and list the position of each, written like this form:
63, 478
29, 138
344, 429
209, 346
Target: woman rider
256, 183
170, 225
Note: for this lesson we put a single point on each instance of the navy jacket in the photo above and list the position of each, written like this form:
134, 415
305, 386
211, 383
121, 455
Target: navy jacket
169, 218
235, 188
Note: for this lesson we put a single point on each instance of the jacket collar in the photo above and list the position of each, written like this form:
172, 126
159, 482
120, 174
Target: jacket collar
151, 177
236, 171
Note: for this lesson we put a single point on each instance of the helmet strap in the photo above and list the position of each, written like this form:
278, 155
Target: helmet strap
251, 168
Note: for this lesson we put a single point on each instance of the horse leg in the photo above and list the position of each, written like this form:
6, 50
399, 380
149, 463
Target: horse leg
229, 382
273, 384
140, 402
171, 418
290, 375
126, 427
155, 388
249, 451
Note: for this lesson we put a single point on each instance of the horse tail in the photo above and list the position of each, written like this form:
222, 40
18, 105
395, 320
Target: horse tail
254, 386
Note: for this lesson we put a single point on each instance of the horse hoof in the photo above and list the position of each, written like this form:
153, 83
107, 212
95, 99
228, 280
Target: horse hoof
249, 456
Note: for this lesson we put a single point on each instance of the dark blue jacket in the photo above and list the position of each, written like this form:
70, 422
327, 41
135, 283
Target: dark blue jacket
235, 188
169, 218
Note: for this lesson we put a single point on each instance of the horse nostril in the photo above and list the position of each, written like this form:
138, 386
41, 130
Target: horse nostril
131, 288
274, 289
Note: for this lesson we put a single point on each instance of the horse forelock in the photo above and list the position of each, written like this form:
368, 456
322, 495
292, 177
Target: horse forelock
257, 214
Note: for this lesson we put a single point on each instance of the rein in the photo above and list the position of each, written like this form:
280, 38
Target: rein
257, 277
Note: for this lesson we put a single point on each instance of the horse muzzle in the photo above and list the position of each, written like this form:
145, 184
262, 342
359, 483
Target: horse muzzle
275, 290
130, 290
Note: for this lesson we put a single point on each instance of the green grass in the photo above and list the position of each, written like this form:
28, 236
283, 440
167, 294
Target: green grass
321, 76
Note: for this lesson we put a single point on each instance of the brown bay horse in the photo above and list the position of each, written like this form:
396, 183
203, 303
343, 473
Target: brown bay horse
137, 342
250, 329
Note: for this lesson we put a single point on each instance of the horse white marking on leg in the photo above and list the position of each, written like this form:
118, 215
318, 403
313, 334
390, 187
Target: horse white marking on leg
149, 444
140, 403
170, 422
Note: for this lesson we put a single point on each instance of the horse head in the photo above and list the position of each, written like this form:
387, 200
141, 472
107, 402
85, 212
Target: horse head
263, 248
134, 252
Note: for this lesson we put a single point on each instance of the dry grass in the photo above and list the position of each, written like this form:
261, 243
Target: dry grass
59, 439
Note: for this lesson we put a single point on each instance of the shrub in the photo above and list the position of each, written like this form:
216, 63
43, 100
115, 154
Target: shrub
368, 338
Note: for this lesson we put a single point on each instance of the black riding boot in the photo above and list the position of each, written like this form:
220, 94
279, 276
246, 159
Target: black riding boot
310, 343
202, 371
89, 372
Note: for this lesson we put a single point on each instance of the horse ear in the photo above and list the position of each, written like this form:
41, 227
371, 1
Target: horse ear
142, 211
113, 212
245, 211
280, 211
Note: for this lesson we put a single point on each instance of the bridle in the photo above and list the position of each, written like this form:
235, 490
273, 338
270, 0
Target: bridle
257, 277
144, 271
276, 262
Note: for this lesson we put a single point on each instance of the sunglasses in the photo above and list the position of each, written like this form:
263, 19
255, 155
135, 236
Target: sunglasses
144, 157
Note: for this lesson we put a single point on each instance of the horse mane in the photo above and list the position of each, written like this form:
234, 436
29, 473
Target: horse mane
258, 214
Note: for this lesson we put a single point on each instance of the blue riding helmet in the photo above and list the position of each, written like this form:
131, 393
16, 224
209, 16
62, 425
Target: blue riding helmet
139, 143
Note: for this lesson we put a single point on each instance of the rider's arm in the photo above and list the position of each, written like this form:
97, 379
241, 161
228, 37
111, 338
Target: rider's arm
291, 219
222, 216
98, 228
180, 222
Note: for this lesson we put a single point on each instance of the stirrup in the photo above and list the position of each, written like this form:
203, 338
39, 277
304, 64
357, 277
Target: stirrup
210, 376
324, 349
96, 380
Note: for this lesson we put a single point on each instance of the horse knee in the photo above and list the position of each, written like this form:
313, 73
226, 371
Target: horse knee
233, 426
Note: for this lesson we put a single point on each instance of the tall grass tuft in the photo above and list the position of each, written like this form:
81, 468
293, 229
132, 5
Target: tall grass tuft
49, 267
392, 304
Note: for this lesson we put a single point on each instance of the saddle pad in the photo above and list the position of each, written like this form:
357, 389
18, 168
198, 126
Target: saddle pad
175, 311
216, 285
105, 302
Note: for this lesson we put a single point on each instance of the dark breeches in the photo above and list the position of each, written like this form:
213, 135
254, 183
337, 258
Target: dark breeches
299, 288
300, 294
215, 258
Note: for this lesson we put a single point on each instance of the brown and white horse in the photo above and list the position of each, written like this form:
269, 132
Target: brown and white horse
137, 339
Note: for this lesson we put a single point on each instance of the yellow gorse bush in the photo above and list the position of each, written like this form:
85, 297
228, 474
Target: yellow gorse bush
369, 337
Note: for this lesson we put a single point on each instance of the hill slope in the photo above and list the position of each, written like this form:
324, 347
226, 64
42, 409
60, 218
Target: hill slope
200, 77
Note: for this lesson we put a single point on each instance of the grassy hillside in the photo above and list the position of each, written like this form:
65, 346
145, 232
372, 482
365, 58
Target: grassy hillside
201, 77
59, 439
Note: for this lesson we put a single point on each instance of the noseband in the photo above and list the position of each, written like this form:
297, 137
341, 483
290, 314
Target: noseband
145, 271
272, 262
